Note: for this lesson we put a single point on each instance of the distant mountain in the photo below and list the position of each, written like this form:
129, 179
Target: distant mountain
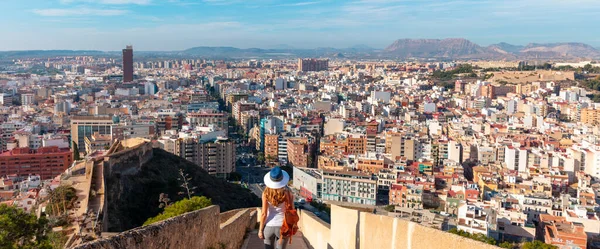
452, 48
48, 53
282, 46
361, 46
558, 50
459, 48
505, 48
231, 52
436, 48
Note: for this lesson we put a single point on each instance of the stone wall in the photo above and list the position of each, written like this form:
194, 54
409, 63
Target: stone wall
198, 229
129, 160
314, 230
354, 229
226, 215
239, 224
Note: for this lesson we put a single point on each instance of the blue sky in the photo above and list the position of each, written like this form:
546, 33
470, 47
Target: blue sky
181, 24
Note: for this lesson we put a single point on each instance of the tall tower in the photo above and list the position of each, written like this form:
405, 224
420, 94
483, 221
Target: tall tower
128, 64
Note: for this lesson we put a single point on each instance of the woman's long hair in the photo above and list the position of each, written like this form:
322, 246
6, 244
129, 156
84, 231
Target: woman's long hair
275, 196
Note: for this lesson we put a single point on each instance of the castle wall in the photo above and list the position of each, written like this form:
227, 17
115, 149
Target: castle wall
197, 229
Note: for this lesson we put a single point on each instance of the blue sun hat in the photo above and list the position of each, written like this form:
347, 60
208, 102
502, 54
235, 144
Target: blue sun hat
276, 178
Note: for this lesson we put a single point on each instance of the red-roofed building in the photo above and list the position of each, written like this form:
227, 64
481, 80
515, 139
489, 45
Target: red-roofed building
472, 194
559, 232
47, 162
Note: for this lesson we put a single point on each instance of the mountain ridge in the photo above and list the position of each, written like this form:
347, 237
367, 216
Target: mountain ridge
449, 48
465, 49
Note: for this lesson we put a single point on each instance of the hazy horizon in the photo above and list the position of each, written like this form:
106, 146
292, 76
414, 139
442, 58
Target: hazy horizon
281, 46
174, 25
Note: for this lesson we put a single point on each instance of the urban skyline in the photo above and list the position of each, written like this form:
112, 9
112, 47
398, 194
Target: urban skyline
146, 124
155, 25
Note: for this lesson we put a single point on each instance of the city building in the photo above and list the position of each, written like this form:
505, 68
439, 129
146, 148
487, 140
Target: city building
308, 182
217, 157
561, 233
313, 65
128, 64
27, 99
206, 119
349, 186
85, 126
47, 162
298, 152
97, 142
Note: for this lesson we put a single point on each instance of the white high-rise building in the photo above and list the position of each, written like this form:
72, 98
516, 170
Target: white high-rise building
27, 99
280, 84
515, 158
150, 88
512, 106
455, 151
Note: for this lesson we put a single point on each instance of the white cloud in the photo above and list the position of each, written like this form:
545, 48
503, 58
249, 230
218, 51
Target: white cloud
300, 3
222, 2
112, 2
79, 12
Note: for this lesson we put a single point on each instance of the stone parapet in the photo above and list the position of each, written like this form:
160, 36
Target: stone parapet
352, 229
198, 229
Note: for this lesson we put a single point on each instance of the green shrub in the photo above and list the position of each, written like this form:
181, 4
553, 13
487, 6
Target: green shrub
181, 207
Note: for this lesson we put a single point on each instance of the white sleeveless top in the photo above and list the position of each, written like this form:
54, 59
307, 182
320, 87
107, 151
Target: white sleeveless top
275, 215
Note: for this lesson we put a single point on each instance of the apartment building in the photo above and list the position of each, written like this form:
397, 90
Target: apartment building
298, 152
207, 118
86, 126
97, 142
271, 147
48, 162
559, 232
217, 157
349, 186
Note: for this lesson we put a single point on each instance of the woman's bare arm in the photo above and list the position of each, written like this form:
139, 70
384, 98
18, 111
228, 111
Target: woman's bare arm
263, 215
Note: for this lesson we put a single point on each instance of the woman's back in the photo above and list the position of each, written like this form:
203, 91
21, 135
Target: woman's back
275, 215
275, 198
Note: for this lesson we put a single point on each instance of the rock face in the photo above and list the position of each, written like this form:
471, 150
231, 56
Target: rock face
556, 50
465, 49
132, 196
505, 48
451, 48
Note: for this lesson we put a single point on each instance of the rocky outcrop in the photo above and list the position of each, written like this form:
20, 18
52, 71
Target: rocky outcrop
450, 48
463, 48
560, 50
132, 195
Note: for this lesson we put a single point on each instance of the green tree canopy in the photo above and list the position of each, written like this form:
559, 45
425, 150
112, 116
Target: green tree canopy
390, 208
478, 237
76, 155
19, 229
449, 74
181, 207
260, 157
61, 200
536, 244
506, 244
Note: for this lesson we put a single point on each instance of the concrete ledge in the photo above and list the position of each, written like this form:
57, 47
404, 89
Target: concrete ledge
316, 232
352, 229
